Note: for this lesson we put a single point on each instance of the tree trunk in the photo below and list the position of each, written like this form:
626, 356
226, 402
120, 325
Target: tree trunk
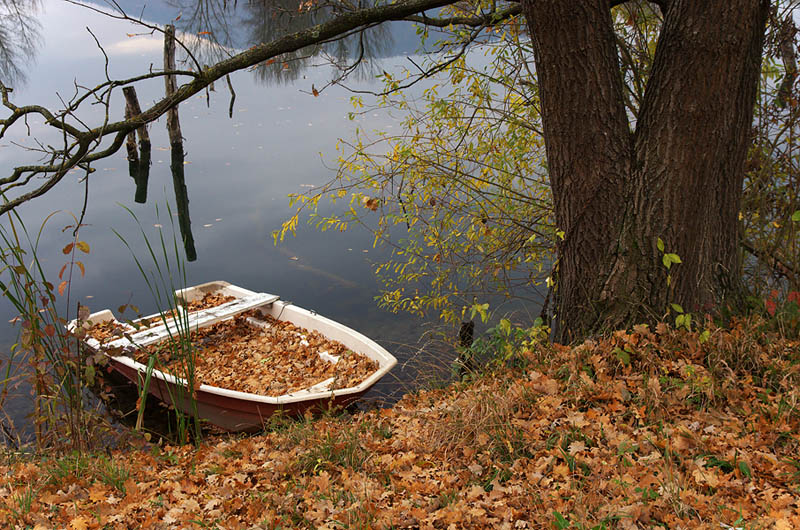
677, 177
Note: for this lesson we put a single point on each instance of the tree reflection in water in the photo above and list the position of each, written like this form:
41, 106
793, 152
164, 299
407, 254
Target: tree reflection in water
226, 26
20, 36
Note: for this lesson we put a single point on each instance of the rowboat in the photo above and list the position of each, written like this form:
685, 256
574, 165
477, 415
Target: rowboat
230, 409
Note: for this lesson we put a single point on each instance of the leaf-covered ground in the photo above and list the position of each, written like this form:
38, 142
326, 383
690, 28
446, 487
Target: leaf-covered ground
642, 429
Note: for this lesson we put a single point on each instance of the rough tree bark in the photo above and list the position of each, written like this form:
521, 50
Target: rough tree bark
676, 176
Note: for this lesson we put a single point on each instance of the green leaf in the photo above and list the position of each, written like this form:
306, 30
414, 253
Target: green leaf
669, 259
560, 523
679, 320
796, 216
479, 309
623, 356
704, 336
745, 469
677, 308
660, 245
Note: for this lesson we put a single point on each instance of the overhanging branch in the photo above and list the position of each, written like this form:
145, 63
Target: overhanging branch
80, 151
486, 19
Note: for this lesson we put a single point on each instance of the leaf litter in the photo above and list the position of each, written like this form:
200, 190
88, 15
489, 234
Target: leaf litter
685, 432
260, 355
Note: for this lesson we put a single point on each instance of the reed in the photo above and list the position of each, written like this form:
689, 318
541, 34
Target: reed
166, 275
51, 358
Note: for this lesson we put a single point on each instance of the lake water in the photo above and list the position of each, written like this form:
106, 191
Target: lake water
239, 171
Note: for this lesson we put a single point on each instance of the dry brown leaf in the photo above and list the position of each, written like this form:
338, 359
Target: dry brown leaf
576, 447
98, 492
79, 523
706, 477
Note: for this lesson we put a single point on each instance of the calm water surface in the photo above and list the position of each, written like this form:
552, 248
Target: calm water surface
281, 140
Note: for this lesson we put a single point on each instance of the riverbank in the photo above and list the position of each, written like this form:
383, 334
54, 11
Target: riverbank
642, 429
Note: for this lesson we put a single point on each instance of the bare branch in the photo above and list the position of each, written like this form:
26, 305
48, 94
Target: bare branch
80, 151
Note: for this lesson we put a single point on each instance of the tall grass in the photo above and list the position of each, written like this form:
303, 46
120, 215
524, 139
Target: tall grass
58, 369
166, 276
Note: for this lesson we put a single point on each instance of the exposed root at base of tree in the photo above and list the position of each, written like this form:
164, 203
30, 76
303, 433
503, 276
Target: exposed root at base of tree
641, 429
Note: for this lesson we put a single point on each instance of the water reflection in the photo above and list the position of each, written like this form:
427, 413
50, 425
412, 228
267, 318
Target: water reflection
20, 38
226, 26
238, 173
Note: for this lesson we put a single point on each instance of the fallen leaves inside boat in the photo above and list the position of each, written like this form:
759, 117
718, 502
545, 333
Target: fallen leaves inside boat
260, 355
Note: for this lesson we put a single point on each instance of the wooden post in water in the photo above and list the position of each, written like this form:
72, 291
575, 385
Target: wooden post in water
176, 148
130, 141
465, 361
138, 162
173, 123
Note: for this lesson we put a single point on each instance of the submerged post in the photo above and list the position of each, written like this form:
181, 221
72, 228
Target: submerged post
465, 361
130, 141
138, 162
176, 148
